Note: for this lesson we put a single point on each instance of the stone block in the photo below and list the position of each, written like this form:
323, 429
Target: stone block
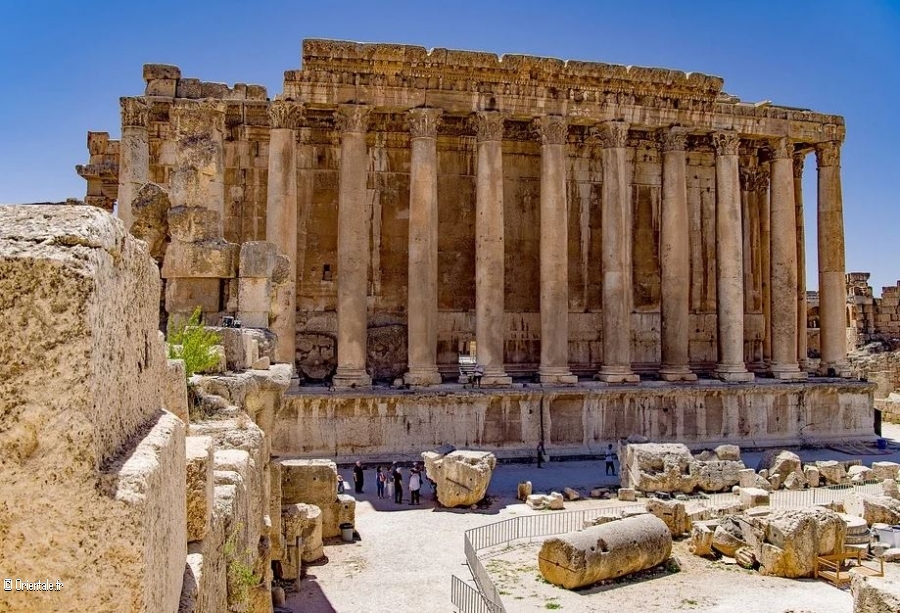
343, 511
254, 319
794, 481
555, 501
654, 467
174, 389
205, 260
885, 470
188, 88
860, 474
537, 501
262, 363
161, 71
257, 259
276, 535
754, 497
309, 481
194, 224
795, 537
672, 512
462, 476
213, 90
889, 486
834, 473
256, 92
701, 539
185, 295
199, 480
813, 477
571, 494
780, 462
874, 509
728, 452
164, 88
254, 295
875, 594
523, 491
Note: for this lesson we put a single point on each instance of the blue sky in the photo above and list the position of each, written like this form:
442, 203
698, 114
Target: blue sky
63, 66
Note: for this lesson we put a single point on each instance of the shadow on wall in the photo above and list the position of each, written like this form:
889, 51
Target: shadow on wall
386, 355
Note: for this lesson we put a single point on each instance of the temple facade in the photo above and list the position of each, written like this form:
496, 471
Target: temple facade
570, 218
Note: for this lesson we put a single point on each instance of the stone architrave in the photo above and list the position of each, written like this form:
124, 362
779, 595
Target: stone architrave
353, 248
490, 322
802, 341
281, 212
134, 155
423, 249
674, 251
783, 261
729, 261
616, 258
832, 282
554, 366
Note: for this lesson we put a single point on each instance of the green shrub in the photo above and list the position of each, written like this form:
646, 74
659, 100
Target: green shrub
196, 342
240, 575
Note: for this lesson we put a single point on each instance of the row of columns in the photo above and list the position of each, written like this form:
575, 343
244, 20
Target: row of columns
786, 250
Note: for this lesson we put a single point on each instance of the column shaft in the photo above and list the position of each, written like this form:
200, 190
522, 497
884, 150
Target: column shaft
490, 324
802, 338
353, 249
554, 255
832, 282
134, 156
783, 264
674, 255
422, 281
729, 261
616, 263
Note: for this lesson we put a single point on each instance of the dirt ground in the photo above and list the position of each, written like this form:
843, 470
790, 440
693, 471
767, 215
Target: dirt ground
407, 554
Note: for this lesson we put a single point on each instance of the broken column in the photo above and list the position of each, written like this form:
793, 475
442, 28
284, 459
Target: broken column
134, 154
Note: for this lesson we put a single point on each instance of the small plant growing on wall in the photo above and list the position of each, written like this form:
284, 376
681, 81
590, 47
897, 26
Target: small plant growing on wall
240, 575
192, 342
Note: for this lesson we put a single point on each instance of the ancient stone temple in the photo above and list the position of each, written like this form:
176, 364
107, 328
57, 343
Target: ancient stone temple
562, 219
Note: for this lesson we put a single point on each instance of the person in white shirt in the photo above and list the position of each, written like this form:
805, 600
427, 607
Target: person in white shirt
415, 482
610, 460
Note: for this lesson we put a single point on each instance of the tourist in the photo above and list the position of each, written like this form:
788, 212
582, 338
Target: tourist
397, 476
415, 482
379, 481
340, 485
477, 374
540, 454
389, 483
358, 478
610, 460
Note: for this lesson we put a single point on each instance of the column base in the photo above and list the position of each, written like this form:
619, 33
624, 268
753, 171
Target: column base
835, 369
617, 374
787, 372
556, 376
422, 377
734, 373
495, 377
349, 378
676, 373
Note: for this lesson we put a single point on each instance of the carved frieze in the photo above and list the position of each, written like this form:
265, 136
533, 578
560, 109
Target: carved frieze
612, 134
828, 154
488, 126
423, 123
553, 129
285, 114
726, 143
134, 112
198, 116
672, 139
799, 158
352, 118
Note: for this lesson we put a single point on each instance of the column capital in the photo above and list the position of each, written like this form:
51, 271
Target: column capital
798, 159
726, 143
352, 118
553, 129
423, 122
781, 148
747, 176
285, 114
488, 126
828, 154
762, 179
672, 139
611, 134
134, 112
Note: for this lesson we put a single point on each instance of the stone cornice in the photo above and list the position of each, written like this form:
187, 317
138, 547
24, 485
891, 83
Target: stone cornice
134, 112
423, 122
285, 114
488, 126
726, 143
612, 134
553, 129
828, 154
352, 118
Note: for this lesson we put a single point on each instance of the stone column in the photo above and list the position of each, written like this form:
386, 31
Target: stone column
674, 256
134, 155
832, 284
353, 248
490, 324
783, 262
554, 367
802, 306
281, 216
616, 261
422, 282
729, 261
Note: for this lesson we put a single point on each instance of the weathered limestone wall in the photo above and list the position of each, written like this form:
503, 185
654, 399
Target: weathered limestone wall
86, 450
576, 421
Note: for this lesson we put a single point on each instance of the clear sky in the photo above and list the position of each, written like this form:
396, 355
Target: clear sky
63, 66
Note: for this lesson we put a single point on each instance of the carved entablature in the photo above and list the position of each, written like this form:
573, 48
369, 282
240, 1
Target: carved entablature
488, 126
672, 139
612, 134
553, 129
828, 154
798, 158
285, 114
352, 118
134, 112
423, 123
781, 148
726, 143
197, 116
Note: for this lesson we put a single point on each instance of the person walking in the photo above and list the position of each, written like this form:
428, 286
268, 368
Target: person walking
358, 478
540, 454
415, 482
610, 460
398, 485
379, 482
